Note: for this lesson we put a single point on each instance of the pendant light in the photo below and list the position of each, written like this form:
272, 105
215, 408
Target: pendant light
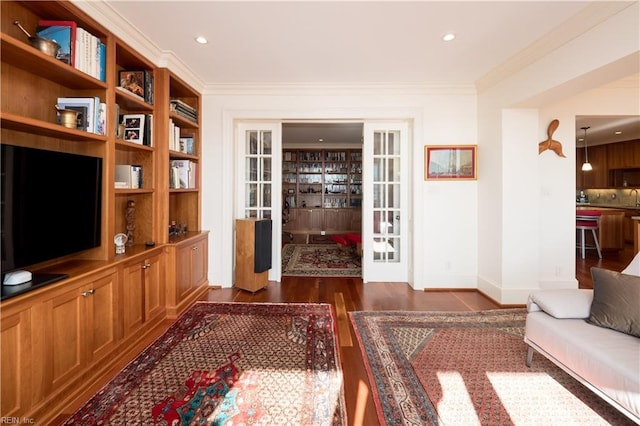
586, 166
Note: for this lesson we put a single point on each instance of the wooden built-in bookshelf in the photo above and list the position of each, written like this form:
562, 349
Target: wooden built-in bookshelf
322, 191
57, 337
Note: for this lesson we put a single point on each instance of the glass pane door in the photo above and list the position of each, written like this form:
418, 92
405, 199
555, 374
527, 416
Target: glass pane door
385, 211
259, 180
258, 176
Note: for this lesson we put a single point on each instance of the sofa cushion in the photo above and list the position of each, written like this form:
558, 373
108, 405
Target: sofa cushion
615, 303
561, 303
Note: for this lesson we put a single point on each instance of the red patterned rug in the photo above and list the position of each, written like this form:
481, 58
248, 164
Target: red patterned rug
230, 364
468, 368
319, 260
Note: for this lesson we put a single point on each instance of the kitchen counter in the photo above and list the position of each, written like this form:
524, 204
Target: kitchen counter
636, 233
611, 228
608, 206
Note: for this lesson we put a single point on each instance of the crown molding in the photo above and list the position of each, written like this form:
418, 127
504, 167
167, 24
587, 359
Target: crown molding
326, 89
588, 18
107, 16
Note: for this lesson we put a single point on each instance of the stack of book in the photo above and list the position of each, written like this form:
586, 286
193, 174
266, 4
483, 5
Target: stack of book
78, 47
182, 174
183, 109
174, 136
91, 113
128, 176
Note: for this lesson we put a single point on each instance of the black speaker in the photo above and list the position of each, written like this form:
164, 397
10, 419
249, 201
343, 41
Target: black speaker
262, 260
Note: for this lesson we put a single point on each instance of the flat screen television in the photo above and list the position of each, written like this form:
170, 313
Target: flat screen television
51, 205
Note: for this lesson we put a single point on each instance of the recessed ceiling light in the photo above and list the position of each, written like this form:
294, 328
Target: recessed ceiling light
201, 40
618, 132
320, 140
448, 37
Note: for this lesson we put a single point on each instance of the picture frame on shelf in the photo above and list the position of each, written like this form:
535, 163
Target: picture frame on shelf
450, 162
133, 81
64, 33
133, 128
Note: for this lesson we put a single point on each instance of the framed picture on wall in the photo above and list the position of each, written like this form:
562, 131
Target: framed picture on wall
450, 162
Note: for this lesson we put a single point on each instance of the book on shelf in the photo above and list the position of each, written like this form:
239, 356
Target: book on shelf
183, 109
148, 130
183, 174
102, 118
89, 54
187, 145
63, 33
92, 114
148, 87
174, 136
128, 176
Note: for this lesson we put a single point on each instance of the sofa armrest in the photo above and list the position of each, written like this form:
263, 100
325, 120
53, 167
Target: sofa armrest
562, 303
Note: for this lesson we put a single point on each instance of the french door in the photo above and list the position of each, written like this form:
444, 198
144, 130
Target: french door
385, 205
259, 180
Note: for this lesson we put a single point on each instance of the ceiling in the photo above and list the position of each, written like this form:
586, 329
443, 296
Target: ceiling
359, 42
343, 42
602, 129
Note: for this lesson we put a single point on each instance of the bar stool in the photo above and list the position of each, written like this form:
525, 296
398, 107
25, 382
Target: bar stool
588, 220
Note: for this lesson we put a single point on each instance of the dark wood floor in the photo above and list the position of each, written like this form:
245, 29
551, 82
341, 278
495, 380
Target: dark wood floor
615, 261
350, 294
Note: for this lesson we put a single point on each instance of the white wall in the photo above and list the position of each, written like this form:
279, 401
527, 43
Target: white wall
508, 233
513, 263
444, 219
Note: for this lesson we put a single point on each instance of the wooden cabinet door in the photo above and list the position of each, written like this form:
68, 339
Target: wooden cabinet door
628, 226
336, 220
133, 297
16, 366
183, 272
191, 265
355, 220
142, 292
623, 155
198, 265
64, 337
599, 176
632, 149
311, 219
153, 287
101, 315
616, 156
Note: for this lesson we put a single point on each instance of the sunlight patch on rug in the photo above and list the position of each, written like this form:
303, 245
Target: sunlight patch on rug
231, 363
542, 390
456, 403
467, 368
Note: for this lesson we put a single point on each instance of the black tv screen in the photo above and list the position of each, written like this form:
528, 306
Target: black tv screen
51, 205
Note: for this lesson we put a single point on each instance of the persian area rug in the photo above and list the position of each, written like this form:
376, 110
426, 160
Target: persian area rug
468, 368
231, 364
319, 260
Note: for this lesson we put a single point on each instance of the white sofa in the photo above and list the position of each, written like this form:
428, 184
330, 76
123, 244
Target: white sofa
605, 360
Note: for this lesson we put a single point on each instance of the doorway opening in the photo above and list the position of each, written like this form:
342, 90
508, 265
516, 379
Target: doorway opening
322, 198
